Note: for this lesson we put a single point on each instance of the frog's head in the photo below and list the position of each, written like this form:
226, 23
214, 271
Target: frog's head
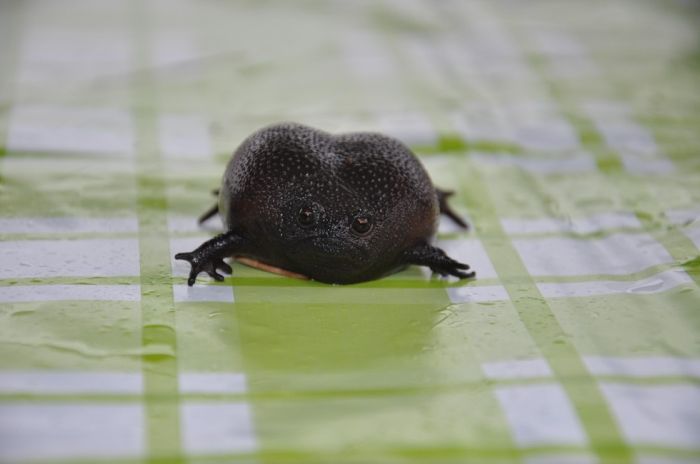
333, 242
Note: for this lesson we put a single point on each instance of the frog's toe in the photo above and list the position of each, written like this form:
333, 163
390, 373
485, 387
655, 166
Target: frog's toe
456, 269
184, 256
209, 257
213, 274
189, 257
438, 261
222, 266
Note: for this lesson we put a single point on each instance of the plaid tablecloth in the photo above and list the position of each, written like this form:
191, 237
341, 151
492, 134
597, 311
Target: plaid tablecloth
569, 130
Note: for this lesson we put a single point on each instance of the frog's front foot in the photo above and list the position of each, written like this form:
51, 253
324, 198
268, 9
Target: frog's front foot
438, 261
201, 263
209, 257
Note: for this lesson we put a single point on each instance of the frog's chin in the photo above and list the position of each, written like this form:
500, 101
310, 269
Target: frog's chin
328, 259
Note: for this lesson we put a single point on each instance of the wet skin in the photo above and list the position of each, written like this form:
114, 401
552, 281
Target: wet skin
337, 208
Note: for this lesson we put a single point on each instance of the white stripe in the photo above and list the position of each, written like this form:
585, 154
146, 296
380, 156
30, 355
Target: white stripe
574, 67
581, 225
212, 382
411, 128
184, 136
626, 136
652, 459
105, 170
552, 134
557, 43
67, 45
539, 126
448, 226
200, 292
62, 225
51, 55
70, 129
209, 428
174, 47
70, 258
471, 252
635, 165
179, 223
518, 369
26, 293
470, 60
477, 294
656, 415
567, 57
70, 382
540, 415
684, 216
616, 254
561, 459
423, 58
365, 56
416, 11
30, 432
581, 162
613, 121
648, 366
482, 123
634, 143
456, 57
658, 283
607, 109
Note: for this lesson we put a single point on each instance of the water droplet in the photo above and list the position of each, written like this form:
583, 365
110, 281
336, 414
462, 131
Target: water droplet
647, 287
23, 312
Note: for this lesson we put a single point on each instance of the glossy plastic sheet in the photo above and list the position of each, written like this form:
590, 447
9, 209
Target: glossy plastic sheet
569, 132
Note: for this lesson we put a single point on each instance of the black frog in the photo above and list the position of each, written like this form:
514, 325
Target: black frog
334, 208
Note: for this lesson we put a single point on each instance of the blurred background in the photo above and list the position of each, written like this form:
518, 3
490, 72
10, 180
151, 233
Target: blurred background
568, 130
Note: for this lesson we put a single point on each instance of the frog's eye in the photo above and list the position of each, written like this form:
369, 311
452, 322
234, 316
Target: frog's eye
361, 225
306, 216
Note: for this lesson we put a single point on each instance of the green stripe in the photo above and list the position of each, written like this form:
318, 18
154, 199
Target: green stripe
125, 280
541, 323
66, 236
453, 143
679, 246
160, 372
538, 318
611, 167
344, 373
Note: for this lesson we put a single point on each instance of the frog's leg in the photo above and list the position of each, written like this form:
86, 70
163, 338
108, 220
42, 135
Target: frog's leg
437, 261
445, 208
209, 257
211, 211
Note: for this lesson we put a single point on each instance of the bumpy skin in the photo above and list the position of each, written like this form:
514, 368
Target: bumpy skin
291, 193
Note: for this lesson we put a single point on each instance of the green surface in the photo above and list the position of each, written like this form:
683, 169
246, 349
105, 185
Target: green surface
564, 113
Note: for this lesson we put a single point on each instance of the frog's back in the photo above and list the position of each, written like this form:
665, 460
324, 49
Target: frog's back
290, 159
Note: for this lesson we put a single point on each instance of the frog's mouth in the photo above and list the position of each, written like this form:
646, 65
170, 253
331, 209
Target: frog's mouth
331, 251
325, 258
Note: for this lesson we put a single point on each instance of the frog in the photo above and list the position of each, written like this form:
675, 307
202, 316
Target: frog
335, 208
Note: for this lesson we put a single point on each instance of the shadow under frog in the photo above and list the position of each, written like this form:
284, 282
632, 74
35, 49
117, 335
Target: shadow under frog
314, 367
332, 344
